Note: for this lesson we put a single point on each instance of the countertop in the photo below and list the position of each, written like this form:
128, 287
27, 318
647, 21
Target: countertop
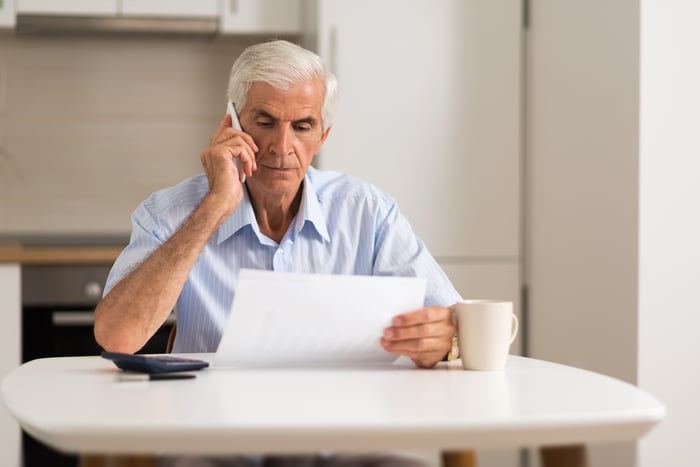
60, 249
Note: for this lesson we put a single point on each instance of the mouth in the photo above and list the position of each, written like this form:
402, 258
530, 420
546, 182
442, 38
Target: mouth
280, 169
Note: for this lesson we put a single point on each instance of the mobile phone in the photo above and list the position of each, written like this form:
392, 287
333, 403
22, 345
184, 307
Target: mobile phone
236, 125
153, 364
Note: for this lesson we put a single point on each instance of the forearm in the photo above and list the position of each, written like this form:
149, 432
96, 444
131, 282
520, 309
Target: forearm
139, 304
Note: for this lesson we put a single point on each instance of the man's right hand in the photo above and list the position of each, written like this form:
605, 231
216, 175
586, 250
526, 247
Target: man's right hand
226, 145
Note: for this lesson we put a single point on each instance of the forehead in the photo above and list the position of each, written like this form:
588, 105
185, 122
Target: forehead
301, 100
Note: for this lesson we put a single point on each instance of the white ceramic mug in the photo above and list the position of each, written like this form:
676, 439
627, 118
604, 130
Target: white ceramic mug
485, 330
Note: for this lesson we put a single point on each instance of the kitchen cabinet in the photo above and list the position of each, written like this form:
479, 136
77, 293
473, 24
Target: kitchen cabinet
71, 7
171, 8
7, 14
261, 16
279, 17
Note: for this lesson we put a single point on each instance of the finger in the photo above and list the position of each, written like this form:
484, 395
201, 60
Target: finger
247, 158
223, 125
424, 315
218, 165
225, 132
419, 331
416, 347
235, 148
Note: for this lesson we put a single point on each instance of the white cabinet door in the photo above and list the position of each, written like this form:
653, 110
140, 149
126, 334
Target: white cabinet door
10, 357
260, 16
171, 8
429, 111
7, 13
68, 7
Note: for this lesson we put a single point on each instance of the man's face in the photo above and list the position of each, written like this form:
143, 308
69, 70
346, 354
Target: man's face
287, 128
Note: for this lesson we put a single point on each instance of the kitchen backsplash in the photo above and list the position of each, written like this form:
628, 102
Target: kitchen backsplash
91, 126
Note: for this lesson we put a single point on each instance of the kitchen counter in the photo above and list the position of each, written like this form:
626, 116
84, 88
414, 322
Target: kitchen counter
60, 249
59, 254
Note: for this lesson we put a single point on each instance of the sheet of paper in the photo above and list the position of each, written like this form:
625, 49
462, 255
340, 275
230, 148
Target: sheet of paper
287, 319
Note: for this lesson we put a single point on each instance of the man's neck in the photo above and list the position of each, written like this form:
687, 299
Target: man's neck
274, 212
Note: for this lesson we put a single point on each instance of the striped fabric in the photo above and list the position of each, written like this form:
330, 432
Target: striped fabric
344, 226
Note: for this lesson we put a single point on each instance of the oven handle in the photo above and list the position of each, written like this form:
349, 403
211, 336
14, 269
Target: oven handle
84, 318
73, 318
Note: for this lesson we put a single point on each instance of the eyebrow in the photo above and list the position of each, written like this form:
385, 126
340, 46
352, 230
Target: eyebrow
310, 120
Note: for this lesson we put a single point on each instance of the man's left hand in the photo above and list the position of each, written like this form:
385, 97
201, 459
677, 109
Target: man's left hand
425, 335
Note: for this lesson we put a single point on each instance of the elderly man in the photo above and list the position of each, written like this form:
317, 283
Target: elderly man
189, 241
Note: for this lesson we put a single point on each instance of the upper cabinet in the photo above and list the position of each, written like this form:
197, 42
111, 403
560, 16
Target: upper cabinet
279, 17
261, 16
179, 8
118, 16
171, 8
7, 13
72, 7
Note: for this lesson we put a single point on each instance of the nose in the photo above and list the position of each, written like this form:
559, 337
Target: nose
282, 140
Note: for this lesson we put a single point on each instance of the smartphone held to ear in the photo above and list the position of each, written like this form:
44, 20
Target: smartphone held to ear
236, 125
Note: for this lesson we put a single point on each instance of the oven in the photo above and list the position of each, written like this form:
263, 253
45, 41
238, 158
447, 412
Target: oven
57, 320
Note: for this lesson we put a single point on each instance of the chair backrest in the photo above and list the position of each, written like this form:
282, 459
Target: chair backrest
171, 339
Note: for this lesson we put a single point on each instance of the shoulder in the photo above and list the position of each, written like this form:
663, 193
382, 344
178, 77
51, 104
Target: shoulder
336, 187
166, 209
185, 195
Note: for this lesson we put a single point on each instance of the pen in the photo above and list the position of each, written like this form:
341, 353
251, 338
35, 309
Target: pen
153, 376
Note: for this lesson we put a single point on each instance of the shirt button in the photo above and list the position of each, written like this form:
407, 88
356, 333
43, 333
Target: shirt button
280, 251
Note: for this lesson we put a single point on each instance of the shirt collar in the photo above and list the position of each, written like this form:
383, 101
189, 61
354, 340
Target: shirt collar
309, 210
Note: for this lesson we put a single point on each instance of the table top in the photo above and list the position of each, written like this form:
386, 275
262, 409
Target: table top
79, 404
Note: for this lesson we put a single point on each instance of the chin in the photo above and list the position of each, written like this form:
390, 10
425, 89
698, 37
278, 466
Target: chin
278, 185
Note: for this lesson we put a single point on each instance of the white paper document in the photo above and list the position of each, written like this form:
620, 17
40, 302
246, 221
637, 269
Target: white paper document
289, 319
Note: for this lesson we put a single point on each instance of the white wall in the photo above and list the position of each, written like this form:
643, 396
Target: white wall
669, 279
91, 126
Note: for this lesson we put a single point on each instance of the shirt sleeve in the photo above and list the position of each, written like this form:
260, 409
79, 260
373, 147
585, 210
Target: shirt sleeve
146, 237
400, 252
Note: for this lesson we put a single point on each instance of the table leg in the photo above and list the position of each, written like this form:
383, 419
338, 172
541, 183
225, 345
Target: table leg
459, 459
564, 456
117, 461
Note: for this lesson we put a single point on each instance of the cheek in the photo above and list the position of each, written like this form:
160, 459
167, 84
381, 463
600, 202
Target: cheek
306, 149
313, 147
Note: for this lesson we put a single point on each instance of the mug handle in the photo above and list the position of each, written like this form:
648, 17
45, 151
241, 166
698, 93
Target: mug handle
514, 329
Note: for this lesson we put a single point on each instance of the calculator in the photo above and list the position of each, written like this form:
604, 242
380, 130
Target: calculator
154, 363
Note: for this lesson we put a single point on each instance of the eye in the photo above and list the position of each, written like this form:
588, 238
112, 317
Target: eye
264, 123
303, 127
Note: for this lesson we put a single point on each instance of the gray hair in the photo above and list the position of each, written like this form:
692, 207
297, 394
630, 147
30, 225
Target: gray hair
281, 64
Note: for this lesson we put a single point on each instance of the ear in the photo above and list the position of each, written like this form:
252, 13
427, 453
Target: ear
324, 136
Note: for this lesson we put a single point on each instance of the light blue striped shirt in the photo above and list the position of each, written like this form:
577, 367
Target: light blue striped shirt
344, 226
